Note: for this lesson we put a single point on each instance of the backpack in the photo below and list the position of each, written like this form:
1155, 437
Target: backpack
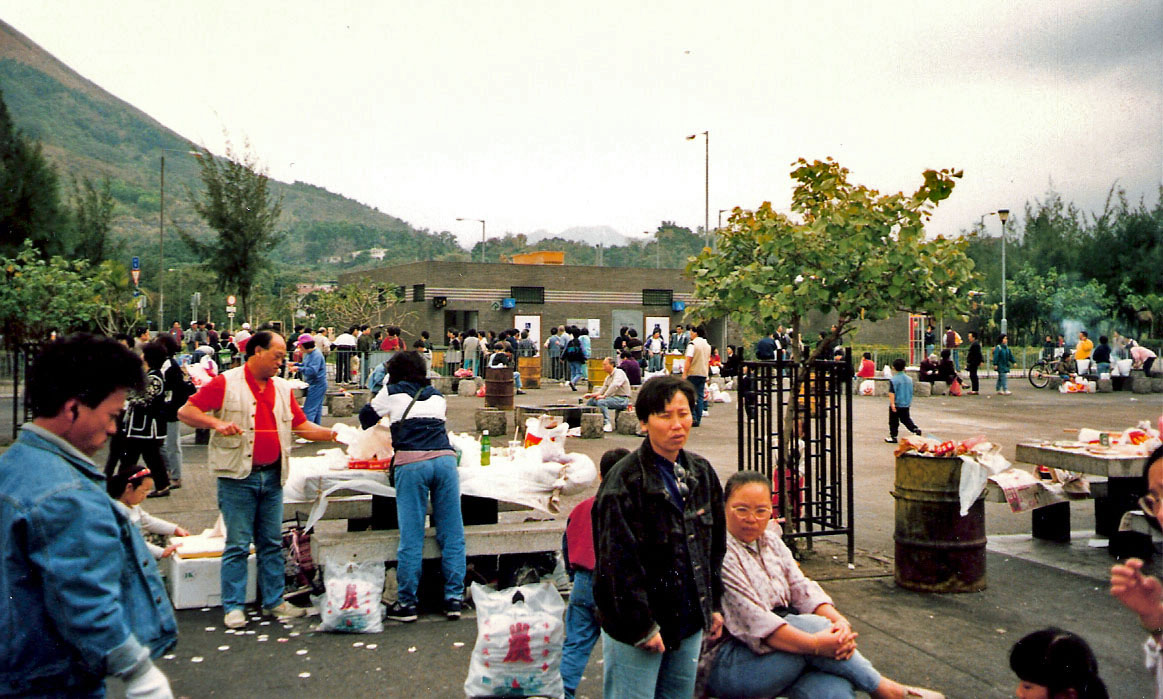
573, 351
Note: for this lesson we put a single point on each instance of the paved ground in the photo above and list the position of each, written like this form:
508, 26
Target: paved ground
956, 643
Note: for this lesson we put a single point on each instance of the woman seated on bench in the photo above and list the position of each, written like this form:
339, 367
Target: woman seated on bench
781, 632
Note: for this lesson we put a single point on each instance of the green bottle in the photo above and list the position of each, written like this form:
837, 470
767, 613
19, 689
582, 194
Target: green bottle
486, 449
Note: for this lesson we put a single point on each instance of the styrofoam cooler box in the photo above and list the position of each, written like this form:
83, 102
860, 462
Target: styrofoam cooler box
197, 582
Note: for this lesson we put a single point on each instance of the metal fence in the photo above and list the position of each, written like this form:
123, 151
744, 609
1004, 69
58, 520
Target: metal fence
795, 426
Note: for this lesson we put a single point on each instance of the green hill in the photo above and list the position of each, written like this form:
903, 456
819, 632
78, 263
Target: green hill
88, 132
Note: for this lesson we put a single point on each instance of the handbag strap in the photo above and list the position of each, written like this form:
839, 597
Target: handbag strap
414, 399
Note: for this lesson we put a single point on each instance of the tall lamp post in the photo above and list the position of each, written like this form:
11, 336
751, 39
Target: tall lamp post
1003, 214
482, 222
706, 182
161, 236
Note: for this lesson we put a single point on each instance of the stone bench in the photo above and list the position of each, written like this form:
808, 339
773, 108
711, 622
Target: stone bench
480, 540
626, 423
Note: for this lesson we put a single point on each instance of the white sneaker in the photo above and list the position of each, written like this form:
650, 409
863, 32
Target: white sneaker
286, 610
607, 427
235, 619
300, 440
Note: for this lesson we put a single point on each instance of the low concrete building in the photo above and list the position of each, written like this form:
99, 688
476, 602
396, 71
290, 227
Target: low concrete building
495, 296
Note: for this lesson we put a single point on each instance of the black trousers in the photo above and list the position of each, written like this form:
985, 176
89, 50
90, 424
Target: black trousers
150, 451
973, 378
343, 364
899, 417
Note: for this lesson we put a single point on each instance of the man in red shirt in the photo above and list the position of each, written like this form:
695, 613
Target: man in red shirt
253, 415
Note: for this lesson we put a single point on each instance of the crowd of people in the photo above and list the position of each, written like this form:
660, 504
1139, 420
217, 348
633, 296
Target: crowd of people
687, 582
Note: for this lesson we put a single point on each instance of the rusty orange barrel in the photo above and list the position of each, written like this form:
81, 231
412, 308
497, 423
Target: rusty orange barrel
937, 550
499, 388
530, 368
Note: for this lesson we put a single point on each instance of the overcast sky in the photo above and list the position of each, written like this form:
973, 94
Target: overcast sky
547, 115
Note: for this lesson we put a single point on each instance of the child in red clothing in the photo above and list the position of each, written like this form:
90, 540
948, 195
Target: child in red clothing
581, 621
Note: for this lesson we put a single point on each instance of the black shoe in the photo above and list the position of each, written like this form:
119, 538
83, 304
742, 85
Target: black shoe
917, 432
452, 609
890, 440
520, 392
401, 612
175, 484
572, 387
163, 493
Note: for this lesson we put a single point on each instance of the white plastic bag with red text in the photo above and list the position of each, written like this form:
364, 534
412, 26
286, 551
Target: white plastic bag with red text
519, 637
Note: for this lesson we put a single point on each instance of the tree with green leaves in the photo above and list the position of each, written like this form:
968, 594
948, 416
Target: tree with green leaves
238, 205
355, 304
92, 211
844, 249
29, 198
40, 295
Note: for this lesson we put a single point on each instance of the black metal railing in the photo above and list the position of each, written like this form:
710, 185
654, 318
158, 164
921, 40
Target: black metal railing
795, 426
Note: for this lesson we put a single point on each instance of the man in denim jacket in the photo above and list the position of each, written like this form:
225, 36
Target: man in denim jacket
83, 592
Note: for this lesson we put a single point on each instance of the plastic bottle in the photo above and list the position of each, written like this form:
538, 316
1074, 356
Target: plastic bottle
486, 449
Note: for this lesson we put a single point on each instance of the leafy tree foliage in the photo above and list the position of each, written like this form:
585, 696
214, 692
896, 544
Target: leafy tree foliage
845, 249
92, 210
354, 304
29, 203
238, 206
40, 295
1098, 271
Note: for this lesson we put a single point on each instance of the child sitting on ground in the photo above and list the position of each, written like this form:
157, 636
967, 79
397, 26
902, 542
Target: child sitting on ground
581, 622
129, 488
1056, 664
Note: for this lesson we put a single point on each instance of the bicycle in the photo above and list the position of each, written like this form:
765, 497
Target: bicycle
1041, 371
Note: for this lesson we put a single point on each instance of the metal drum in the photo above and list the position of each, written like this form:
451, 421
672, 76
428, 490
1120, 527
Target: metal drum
937, 550
530, 368
499, 388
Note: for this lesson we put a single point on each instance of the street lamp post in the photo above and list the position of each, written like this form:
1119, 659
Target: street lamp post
1003, 214
482, 222
706, 182
161, 236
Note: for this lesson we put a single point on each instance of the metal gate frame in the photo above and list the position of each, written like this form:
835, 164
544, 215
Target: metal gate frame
21, 358
815, 470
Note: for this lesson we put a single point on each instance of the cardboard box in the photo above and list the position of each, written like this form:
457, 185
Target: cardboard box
197, 582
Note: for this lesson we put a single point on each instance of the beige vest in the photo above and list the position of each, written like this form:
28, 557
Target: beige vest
701, 358
231, 457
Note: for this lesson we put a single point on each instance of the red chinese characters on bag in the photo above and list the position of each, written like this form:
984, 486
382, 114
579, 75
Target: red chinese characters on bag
519, 640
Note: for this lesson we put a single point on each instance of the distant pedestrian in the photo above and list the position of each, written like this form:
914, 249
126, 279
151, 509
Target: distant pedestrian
952, 342
345, 345
900, 399
697, 368
555, 345
766, 347
575, 358
973, 361
1141, 356
1003, 361
313, 370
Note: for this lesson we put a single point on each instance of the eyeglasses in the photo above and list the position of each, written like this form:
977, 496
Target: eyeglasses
1150, 503
680, 476
746, 513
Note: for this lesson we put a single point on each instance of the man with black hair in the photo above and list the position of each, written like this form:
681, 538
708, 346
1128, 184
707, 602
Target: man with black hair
660, 537
85, 594
254, 416
697, 367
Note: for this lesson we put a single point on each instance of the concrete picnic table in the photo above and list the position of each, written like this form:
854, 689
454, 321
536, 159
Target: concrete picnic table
1112, 498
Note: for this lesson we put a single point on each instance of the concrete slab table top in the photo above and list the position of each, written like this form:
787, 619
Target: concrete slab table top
1083, 460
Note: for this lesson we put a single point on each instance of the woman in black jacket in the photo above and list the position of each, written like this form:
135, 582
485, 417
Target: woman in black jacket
660, 536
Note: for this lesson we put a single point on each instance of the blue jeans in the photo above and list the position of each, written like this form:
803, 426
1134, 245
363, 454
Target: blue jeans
740, 672
656, 362
1101, 368
577, 372
633, 673
252, 509
414, 484
956, 359
581, 630
313, 405
1002, 380
700, 384
606, 404
172, 452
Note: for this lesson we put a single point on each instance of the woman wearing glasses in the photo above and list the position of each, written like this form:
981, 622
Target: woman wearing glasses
1143, 594
659, 541
783, 636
